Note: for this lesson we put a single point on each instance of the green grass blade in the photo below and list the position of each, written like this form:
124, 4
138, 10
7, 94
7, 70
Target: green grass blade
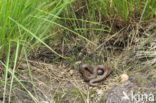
6, 72
35, 37
68, 30
15, 62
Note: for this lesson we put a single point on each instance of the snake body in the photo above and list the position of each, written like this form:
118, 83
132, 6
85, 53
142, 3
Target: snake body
93, 75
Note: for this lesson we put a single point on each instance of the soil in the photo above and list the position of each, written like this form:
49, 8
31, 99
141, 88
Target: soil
62, 83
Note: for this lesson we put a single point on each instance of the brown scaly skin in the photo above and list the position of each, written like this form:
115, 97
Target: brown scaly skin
86, 71
96, 71
90, 73
107, 71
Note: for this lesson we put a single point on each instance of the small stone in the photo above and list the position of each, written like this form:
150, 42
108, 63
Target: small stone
71, 72
124, 77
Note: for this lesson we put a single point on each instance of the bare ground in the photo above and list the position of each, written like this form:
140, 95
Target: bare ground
62, 83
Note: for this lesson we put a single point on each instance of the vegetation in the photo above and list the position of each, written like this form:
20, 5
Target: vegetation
29, 24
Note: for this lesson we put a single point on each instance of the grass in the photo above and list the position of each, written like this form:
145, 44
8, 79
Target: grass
27, 24
19, 29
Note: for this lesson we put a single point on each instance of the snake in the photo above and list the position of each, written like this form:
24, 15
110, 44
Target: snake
95, 74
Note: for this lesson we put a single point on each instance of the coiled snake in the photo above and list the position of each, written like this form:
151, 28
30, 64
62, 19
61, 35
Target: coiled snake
93, 75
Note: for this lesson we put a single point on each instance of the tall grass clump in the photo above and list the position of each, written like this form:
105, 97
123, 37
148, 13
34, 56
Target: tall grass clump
21, 31
95, 20
18, 21
108, 9
87, 13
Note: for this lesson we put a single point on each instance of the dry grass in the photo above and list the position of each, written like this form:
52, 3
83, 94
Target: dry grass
128, 47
